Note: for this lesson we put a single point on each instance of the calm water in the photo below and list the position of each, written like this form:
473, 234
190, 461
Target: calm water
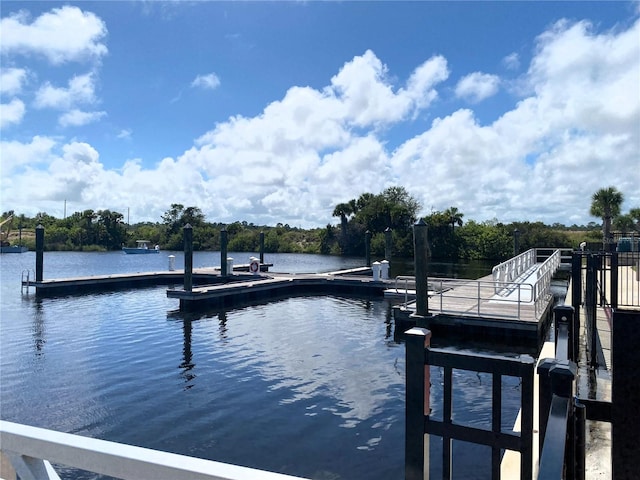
309, 386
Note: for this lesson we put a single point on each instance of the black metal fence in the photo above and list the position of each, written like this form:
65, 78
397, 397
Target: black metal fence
420, 356
600, 282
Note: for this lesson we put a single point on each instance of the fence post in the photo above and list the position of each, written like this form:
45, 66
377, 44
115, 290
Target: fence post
188, 257
416, 461
590, 302
563, 377
564, 315
613, 301
581, 440
576, 282
544, 396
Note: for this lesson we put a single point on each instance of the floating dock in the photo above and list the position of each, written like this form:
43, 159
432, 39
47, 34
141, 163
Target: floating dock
247, 288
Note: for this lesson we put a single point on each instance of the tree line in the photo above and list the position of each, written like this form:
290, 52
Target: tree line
369, 215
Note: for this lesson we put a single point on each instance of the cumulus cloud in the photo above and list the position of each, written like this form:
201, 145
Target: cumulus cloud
207, 82
62, 35
477, 86
572, 132
81, 90
78, 118
12, 80
11, 113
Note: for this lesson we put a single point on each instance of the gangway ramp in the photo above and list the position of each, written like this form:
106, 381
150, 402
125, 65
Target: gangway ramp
516, 298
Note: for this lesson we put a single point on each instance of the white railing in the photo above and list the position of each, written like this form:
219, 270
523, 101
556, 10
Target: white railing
480, 297
511, 269
32, 450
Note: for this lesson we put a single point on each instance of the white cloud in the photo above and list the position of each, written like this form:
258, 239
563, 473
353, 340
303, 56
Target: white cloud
11, 113
17, 154
209, 81
367, 97
511, 61
12, 80
124, 134
477, 86
62, 35
575, 131
78, 118
81, 90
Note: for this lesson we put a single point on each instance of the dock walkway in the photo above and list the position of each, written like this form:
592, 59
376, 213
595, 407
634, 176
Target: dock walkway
514, 301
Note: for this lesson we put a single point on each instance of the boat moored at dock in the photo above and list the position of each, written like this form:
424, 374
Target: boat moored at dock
141, 248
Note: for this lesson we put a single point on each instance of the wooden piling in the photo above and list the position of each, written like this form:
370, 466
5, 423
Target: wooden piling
223, 251
188, 257
388, 242
39, 253
420, 249
367, 248
261, 248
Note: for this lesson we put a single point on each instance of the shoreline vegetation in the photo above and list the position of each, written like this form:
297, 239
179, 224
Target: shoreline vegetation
450, 237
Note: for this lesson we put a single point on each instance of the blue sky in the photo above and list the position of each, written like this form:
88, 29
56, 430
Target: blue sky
276, 111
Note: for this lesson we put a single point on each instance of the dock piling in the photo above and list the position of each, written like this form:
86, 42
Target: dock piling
39, 252
421, 267
388, 241
223, 251
188, 257
261, 248
367, 248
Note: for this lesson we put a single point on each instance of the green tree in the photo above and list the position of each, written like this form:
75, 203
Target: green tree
634, 213
605, 203
343, 210
454, 216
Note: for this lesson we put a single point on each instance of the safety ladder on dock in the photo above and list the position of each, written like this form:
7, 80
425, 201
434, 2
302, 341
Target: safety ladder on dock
25, 280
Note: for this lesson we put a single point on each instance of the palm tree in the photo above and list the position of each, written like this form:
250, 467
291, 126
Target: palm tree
634, 213
605, 203
454, 217
343, 210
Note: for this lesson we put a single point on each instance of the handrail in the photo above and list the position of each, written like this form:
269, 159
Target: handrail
511, 269
31, 450
536, 293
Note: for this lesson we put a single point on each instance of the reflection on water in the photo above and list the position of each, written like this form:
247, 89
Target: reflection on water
311, 386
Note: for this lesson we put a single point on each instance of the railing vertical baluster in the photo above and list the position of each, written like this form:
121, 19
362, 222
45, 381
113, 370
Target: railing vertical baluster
526, 419
496, 423
447, 420
580, 440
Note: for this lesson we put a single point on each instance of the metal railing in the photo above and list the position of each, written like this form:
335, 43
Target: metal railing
513, 268
419, 357
478, 297
32, 450
485, 297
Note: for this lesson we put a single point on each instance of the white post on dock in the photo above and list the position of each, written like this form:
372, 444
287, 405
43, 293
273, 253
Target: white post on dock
384, 270
229, 265
172, 263
375, 267
254, 265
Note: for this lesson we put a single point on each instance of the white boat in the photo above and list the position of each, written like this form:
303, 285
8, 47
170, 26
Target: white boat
143, 247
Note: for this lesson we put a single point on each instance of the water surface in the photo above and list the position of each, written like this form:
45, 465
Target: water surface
309, 386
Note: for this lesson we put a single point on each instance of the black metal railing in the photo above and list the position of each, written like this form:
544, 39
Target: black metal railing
420, 356
562, 416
